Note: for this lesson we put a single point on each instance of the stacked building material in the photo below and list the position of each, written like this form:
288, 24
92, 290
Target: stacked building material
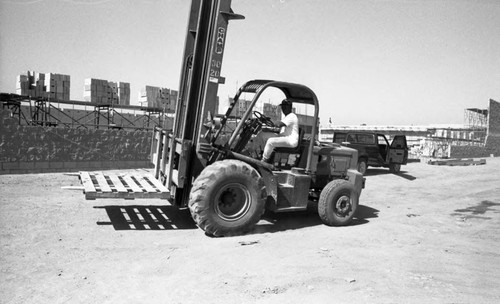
23, 85
106, 92
98, 91
39, 87
172, 102
113, 93
154, 97
49, 85
26, 84
124, 93
57, 85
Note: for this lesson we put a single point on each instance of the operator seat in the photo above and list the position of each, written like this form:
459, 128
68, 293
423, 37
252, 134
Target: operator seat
294, 150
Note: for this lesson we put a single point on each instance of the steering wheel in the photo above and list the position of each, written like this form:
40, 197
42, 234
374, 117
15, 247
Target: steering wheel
264, 119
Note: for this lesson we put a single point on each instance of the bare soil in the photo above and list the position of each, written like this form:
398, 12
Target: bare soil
430, 234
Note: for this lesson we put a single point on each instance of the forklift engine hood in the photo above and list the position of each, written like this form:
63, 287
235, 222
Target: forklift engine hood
334, 159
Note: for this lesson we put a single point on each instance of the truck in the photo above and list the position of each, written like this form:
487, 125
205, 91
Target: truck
208, 162
374, 149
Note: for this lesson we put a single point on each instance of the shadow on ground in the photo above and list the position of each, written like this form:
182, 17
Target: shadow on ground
377, 171
276, 222
363, 214
147, 217
478, 211
140, 217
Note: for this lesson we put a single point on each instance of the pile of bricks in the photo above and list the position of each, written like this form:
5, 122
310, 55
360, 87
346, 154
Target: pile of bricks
156, 97
49, 85
106, 92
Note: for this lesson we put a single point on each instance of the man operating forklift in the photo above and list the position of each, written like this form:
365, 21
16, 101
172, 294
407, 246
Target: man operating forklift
287, 129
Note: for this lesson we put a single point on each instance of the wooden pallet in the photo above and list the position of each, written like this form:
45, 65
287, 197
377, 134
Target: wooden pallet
127, 186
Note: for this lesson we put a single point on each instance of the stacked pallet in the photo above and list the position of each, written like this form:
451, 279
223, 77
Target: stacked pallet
57, 86
154, 97
49, 85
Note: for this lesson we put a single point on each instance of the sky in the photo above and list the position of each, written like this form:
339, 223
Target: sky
375, 62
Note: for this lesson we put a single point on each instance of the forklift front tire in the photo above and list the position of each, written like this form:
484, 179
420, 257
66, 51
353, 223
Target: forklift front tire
227, 198
337, 203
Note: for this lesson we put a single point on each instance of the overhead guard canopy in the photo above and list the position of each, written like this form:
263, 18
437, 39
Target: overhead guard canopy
296, 92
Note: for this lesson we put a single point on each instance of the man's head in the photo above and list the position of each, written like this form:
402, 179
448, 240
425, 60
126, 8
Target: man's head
286, 106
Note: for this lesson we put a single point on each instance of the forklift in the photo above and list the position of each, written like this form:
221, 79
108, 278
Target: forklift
206, 162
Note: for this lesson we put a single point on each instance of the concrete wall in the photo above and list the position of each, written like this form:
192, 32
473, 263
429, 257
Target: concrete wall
36, 149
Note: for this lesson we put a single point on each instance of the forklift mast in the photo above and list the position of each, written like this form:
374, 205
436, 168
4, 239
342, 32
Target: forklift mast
197, 99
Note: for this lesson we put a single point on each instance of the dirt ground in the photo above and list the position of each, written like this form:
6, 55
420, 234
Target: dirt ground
428, 235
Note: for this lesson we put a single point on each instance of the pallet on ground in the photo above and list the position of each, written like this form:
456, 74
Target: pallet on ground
457, 162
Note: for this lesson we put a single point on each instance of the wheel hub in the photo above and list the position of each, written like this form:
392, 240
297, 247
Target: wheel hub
232, 202
343, 205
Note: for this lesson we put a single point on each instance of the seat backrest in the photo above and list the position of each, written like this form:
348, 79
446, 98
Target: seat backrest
294, 149
301, 136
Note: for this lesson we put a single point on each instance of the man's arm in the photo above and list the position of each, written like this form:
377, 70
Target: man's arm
276, 129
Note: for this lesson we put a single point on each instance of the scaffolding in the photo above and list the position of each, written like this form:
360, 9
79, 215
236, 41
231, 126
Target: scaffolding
12, 102
148, 120
44, 112
40, 113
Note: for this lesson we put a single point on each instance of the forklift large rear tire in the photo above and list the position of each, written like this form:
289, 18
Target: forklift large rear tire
337, 203
227, 198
